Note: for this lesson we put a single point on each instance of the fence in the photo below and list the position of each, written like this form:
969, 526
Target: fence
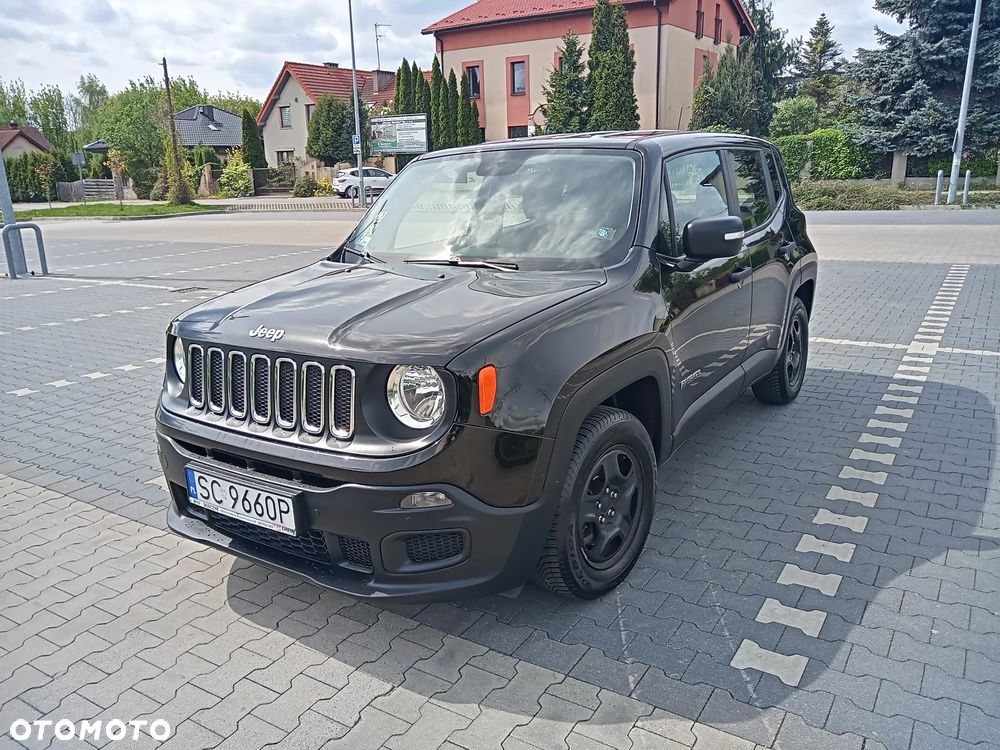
92, 190
274, 180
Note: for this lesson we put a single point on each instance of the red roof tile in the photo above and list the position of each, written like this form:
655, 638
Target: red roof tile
316, 81
34, 135
484, 12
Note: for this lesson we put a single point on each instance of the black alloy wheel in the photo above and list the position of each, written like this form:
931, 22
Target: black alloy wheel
610, 507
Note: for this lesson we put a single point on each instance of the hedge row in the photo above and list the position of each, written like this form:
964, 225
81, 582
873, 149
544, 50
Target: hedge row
839, 196
25, 174
831, 153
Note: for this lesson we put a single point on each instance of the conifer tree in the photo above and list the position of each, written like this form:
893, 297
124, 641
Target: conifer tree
398, 99
475, 133
464, 112
613, 105
425, 107
253, 146
600, 41
436, 121
726, 99
413, 94
912, 84
451, 111
566, 90
818, 63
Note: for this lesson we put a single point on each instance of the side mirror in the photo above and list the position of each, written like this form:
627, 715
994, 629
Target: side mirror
714, 237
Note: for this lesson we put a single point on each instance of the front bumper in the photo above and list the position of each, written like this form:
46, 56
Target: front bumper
354, 537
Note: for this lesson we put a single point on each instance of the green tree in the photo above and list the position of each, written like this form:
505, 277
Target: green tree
236, 180
726, 98
331, 129
425, 100
119, 168
253, 145
613, 105
600, 41
48, 114
566, 90
450, 115
399, 102
464, 120
798, 116
475, 131
13, 102
437, 121
771, 54
911, 85
85, 106
416, 79
235, 102
818, 64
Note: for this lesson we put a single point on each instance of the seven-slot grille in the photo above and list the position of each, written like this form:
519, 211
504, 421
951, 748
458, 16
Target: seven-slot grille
281, 393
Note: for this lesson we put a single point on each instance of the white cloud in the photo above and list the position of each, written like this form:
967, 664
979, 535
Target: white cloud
240, 44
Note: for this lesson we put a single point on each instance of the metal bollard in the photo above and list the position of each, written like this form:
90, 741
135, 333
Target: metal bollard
940, 185
14, 230
968, 185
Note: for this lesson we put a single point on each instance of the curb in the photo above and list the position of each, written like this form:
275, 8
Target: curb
127, 218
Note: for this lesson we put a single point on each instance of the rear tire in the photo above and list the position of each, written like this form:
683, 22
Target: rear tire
782, 385
605, 509
353, 192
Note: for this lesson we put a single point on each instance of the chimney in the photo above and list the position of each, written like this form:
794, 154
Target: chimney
12, 124
382, 78
331, 65
208, 110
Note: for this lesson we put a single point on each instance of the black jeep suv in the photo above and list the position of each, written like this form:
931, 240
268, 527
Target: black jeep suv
480, 383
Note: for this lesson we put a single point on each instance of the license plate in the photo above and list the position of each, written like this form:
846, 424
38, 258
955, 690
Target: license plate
259, 507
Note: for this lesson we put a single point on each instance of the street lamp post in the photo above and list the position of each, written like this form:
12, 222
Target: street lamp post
357, 111
956, 164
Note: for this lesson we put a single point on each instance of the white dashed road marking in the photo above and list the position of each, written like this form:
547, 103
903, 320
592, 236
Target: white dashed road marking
809, 622
788, 669
867, 499
843, 552
883, 458
825, 583
875, 477
854, 523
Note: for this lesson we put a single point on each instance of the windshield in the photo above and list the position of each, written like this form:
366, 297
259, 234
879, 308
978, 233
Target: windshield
543, 209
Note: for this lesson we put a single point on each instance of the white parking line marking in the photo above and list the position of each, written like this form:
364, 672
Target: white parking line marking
788, 669
875, 477
913, 368
906, 388
827, 518
129, 368
867, 499
890, 412
877, 424
157, 360
843, 551
61, 383
95, 375
927, 360
809, 621
886, 459
900, 399
892, 442
22, 392
904, 376
825, 583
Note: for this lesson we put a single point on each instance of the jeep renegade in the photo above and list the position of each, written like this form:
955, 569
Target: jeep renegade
479, 384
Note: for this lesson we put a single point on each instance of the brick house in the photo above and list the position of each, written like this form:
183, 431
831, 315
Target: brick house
509, 47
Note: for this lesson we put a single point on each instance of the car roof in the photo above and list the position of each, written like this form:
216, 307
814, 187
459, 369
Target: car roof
666, 141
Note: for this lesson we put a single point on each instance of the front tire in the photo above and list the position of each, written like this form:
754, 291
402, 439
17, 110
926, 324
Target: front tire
782, 385
353, 192
605, 509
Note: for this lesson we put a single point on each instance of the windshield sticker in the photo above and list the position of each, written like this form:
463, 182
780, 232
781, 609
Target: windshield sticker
606, 233
361, 240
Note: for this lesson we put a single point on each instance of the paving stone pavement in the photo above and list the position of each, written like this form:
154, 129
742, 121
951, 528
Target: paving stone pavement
824, 575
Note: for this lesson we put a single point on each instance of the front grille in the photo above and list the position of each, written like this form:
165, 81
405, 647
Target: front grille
356, 551
310, 545
424, 548
282, 394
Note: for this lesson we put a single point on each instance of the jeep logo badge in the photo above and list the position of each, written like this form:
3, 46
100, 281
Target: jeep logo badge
272, 334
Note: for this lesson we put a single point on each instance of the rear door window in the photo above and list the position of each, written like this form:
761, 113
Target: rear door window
751, 188
697, 190
777, 184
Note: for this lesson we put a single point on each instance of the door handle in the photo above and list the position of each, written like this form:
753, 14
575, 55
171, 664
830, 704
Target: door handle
785, 250
738, 274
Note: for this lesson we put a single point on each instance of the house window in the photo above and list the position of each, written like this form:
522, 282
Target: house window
718, 24
309, 112
285, 157
285, 113
517, 131
559, 61
475, 85
517, 78
699, 23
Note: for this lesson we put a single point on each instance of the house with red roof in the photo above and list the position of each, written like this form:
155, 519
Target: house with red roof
284, 118
16, 140
509, 47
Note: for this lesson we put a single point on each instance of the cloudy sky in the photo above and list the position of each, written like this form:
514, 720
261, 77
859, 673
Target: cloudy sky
239, 44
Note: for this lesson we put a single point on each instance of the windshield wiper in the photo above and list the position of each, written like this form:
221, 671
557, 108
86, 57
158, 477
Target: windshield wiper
363, 254
466, 263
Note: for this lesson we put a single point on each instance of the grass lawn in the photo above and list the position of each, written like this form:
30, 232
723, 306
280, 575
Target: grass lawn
113, 209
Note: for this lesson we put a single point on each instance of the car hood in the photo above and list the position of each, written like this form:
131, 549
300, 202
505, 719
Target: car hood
380, 313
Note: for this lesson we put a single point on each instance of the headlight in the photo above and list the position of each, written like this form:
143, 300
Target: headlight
180, 360
416, 396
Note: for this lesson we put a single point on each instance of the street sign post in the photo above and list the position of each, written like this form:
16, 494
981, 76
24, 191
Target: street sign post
399, 134
356, 143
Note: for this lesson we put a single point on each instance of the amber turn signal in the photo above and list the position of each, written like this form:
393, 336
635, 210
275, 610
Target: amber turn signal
487, 389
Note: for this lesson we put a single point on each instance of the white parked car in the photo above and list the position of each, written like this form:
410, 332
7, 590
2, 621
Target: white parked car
346, 183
